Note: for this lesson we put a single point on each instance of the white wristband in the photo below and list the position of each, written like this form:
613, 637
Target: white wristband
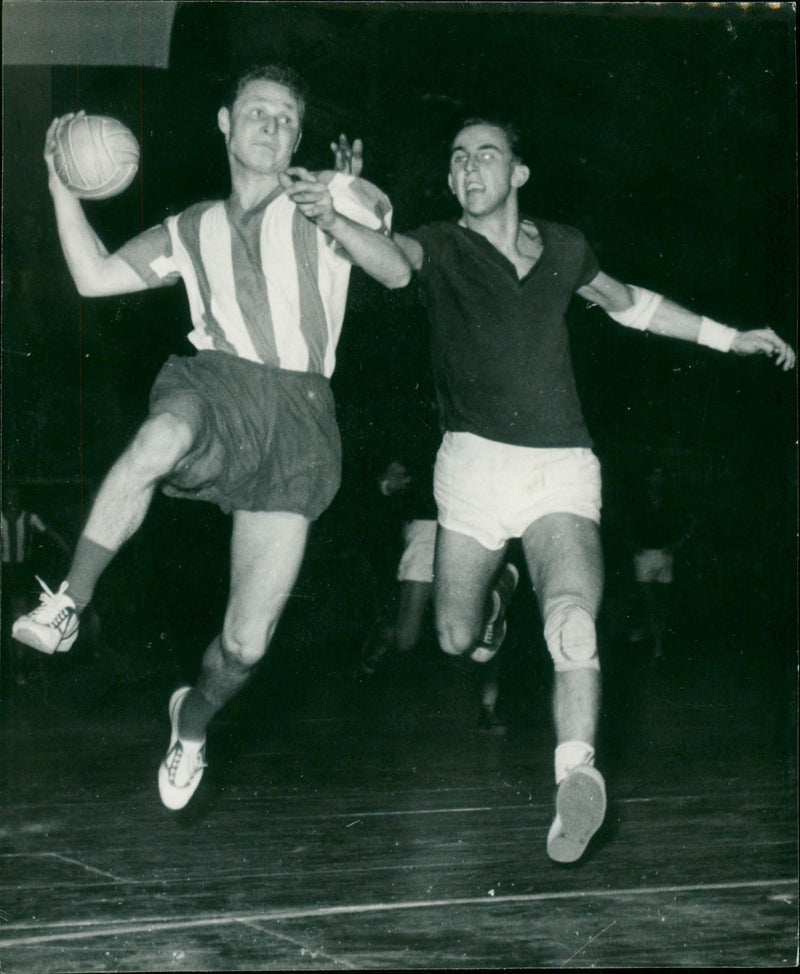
715, 335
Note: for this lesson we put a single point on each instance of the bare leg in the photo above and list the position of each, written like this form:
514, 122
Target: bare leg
658, 594
565, 558
124, 498
125, 494
464, 570
414, 599
266, 554
118, 510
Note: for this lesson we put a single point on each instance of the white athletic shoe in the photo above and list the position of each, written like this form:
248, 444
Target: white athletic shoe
580, 810
52, 627
180, 772
495, 631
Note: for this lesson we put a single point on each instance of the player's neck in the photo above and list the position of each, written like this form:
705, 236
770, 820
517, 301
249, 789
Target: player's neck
251, 188
500, 227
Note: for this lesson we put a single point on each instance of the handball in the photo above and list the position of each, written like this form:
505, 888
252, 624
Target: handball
95, 157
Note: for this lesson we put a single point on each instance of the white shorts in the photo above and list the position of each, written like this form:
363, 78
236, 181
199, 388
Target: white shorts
653, 565
494, 491
416, 565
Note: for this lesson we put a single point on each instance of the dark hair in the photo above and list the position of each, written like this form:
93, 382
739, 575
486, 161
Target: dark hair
278, 73
507, 128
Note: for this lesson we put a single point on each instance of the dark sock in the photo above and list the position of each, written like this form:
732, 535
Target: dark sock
88, 564
195, 716
221, 678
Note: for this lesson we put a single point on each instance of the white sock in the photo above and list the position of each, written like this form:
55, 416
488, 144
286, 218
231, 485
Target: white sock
570, 755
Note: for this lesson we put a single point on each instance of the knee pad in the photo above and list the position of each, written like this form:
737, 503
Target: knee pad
570, 634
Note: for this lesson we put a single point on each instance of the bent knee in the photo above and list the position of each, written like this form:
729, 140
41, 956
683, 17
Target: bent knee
455, 638
161, 442
570, 634
246, 643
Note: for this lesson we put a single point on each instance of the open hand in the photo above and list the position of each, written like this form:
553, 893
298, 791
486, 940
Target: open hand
764, 341
348, 159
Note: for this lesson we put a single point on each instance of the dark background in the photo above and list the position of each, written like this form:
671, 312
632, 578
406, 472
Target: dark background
667, 133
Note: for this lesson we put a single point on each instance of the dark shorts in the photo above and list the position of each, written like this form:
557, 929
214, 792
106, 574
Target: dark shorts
265, 439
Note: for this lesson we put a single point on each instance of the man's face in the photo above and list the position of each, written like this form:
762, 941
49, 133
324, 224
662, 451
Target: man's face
483, 170
263, 128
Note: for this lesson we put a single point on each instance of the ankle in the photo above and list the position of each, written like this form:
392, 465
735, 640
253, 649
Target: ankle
570, 755
194, 717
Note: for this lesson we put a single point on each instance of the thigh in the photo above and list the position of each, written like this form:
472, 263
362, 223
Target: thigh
463, 571
267, 551
565, 557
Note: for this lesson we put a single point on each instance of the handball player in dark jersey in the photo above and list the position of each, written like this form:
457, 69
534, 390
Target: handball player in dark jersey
516, 459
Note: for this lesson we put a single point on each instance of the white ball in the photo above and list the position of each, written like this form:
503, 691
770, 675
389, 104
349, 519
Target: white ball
96, 157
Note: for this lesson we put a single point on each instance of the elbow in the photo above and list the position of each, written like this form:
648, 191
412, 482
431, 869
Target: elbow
89, 287
400, 280
398, 274
85, 290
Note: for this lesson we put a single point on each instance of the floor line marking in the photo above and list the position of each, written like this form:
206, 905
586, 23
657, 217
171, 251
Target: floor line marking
591, 940
774, 795
314, 954
157, 925
83, 865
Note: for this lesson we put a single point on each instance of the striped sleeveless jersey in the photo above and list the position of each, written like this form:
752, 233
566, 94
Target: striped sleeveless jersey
266, 284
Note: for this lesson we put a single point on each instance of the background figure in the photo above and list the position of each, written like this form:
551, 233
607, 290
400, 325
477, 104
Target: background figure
658, 528
407, 486
401, 611
406, 515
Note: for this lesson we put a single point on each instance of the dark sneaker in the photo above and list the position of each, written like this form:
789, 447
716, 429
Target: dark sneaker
580, 810
53, 626
376, 649
181, 770
495, 631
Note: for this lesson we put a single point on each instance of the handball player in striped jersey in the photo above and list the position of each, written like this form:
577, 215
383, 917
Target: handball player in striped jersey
248, 421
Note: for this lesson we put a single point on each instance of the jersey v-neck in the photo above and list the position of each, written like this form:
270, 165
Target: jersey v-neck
240, 216
500, 258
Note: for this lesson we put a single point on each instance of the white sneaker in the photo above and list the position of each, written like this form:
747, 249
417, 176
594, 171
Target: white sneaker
180, 772
495, 630
580, 810
53, 626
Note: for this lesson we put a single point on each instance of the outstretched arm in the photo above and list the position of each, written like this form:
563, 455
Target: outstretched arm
373, 251
644, 310
350, 159
94, 270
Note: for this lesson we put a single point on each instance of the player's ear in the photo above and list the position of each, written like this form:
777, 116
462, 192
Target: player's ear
450, 183
297, 141
520, 175
224, 122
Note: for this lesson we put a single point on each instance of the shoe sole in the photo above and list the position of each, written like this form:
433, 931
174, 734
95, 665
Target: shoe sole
31, 638
580, 810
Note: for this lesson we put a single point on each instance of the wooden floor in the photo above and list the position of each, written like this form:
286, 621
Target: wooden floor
347, 823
